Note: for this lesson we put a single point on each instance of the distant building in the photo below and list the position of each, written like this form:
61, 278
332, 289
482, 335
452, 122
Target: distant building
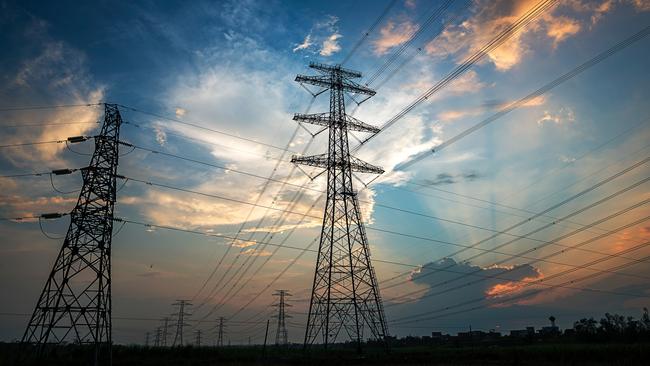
552, 330
523, 333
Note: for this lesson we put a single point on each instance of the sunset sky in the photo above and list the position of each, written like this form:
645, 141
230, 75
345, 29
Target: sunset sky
230, 66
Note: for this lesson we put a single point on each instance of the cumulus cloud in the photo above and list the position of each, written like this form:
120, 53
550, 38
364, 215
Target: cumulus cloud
306, 43
460, 281
392, 35
565, 114
447, 178
330, 45
492, 17
55, 73
323, 38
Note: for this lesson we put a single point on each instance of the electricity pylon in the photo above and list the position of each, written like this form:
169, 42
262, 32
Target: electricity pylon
165, 332
75, 304
281, 332
220, 329
197, 340
344, 293
180, 321
158, 339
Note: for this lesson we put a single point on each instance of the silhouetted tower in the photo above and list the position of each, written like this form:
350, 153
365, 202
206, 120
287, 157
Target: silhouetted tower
220, 329
281, 332
75, 304
180, 321
146, 339
197, 339
158, 339
344, 293
165, 332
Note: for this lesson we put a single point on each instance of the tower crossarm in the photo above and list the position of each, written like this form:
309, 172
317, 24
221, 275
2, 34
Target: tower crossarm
324, 119
322, 161
327, 69
326, 81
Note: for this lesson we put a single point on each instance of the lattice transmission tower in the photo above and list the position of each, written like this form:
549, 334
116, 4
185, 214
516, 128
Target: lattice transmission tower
220, 330
281, 332
75, 304
344, 293
180, 321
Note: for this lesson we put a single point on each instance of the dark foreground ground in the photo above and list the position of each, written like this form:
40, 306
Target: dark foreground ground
545, 354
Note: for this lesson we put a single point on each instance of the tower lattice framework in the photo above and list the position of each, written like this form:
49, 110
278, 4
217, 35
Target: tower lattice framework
281, 334
345, 295
75, 304
220, 330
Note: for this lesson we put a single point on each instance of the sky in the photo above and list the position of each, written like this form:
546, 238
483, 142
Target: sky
517, 221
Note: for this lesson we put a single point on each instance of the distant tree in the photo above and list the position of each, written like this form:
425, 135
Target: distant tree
586, 328
613, 325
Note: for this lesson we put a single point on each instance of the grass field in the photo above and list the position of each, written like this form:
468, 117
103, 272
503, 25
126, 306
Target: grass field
545, 354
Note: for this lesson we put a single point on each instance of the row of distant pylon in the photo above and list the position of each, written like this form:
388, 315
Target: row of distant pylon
162, 334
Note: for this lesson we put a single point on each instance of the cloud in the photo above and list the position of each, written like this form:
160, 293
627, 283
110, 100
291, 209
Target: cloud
306, 43
330, 45
52, 72
323, 38
161, 136
447, 178
485, 281
492, 17
392, 35
641, 5
565, 114
16, 204
560, 28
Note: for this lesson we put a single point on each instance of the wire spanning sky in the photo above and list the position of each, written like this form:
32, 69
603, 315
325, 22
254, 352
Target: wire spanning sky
541, 212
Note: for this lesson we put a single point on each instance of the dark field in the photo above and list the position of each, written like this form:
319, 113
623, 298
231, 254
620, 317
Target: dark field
546, 354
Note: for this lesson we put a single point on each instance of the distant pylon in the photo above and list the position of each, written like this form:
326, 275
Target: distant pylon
345, 294
220, 329
281, 332
75, 304
197, 339
158, 338
180, 321
165, 332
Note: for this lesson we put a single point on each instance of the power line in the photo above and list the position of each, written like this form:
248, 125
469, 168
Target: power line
308, 249
47, 124
26, 108
579, 194
153, 184
536, 282
533, 261
436, 14
511, 107
301, 187
508, 32
185, 137
33, 143
498, 232
241, 227
194, 125
374, 25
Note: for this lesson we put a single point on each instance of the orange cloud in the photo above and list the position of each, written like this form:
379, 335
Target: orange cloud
492, 17
392, 35
510, 288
